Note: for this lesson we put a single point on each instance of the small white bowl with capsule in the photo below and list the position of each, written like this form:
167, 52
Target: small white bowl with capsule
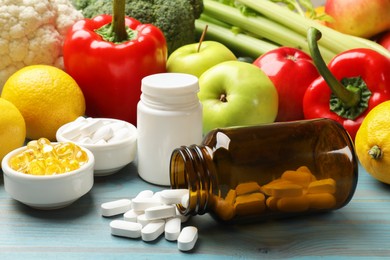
113, 142
36, 181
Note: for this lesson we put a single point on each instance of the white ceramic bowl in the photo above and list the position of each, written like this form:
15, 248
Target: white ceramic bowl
109, 157
48, 191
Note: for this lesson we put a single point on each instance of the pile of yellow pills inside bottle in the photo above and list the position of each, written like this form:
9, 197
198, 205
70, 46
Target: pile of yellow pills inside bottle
41, 157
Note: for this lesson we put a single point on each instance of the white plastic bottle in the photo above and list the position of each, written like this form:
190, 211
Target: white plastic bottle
169, 115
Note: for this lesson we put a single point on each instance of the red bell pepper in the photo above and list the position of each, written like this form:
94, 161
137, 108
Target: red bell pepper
292, 71
108, 56
353, 83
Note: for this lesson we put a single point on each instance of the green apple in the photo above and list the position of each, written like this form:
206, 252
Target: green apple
188, 59
236, 93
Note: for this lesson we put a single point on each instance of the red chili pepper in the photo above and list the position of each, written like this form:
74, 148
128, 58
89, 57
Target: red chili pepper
108, 56
292, 71
353, 83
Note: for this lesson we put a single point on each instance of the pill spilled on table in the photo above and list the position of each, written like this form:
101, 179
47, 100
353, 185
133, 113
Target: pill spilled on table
151, 214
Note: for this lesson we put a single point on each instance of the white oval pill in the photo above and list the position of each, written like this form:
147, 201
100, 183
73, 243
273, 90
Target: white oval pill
143, 220
173, 196
160, 212
152, 230
187, 238
172, 229
125, 228
145, 194
131, 215
140, 204
115, 207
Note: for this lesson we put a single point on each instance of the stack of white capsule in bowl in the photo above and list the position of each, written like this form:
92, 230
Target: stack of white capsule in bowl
113, 142
149, 215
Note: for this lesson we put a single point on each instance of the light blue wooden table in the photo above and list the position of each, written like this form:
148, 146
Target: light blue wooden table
359, 230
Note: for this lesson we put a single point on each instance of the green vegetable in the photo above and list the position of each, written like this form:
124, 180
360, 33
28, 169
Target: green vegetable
175, 18
270, 22
241, 44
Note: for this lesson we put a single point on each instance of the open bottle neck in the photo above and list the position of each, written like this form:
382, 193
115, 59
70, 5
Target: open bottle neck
191, 168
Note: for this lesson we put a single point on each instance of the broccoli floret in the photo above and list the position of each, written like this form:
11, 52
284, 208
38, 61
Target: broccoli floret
175, 18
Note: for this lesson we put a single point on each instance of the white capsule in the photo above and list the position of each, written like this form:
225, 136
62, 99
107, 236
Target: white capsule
131, 215
103, 133
173, 196
124, 228
140, 204
119, 134
72, 131
84, 140
152, 230
172, 229
115, 207
91, 127
101, 141
160, 212
115, 126
187, 238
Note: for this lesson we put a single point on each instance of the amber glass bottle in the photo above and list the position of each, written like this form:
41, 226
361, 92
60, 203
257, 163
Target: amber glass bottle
256, 173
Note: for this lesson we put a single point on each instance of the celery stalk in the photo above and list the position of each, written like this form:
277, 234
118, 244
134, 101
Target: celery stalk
331, 39
261, 27
240, 44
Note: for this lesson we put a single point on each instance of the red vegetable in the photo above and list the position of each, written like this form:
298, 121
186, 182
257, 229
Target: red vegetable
292, 71
384, 40
108, 56
354, 82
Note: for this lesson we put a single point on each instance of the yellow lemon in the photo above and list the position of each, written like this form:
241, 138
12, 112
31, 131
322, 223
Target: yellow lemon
12, 128
372, 142
46, 96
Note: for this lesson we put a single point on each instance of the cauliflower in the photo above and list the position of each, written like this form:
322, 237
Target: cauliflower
32, 32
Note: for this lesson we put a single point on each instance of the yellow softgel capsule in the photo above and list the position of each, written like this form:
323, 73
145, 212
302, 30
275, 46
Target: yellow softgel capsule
43, 158
47, 150
70, 164
36, 167
42, 141
53, 166
81, 156
33, 145
64, 150
19, 162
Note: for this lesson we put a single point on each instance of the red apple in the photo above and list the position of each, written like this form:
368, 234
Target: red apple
384, 40
363, 18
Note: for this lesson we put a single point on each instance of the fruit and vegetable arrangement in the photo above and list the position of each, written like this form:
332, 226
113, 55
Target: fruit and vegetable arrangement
258, 61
